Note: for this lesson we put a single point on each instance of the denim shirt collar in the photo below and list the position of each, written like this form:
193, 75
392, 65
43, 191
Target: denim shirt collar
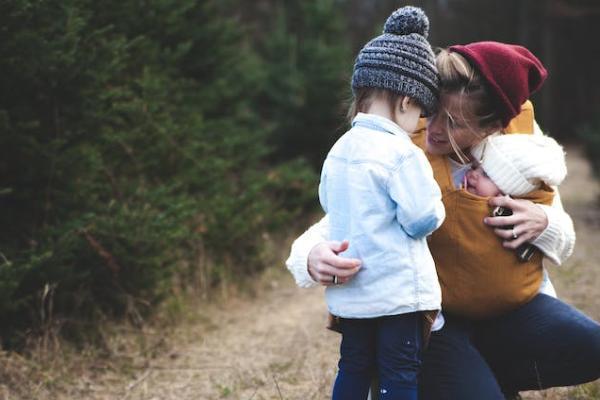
376, 122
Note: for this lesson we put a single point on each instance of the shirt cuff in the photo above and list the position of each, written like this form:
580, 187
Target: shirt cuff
297, 264
554, 240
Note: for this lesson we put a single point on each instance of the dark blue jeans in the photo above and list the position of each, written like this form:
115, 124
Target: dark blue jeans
388, 347
545, 343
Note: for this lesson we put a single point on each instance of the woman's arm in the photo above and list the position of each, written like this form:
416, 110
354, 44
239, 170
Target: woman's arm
549, 228
313, 260
557, 241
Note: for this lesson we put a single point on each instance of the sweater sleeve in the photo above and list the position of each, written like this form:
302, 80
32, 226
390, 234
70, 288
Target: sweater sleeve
557, 241
297, 262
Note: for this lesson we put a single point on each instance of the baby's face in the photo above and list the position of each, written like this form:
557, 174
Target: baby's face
480, 184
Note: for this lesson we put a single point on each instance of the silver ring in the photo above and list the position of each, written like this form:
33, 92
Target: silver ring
335, 280
514, 234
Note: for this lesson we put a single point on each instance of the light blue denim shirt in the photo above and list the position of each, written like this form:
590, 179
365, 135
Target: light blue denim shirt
379, 192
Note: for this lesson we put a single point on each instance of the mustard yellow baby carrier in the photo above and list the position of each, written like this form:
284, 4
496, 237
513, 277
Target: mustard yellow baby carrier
479, 277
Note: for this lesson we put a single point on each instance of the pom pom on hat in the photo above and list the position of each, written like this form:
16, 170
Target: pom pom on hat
512, 72
407, 20
520, 163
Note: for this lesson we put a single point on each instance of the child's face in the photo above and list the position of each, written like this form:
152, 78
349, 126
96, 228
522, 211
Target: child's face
480, 184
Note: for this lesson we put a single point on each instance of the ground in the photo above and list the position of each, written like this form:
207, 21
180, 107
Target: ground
273, 344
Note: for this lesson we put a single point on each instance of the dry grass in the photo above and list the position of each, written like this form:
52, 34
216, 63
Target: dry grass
265, 341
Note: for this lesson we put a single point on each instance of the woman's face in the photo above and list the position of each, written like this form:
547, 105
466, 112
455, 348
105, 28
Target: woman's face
454, 117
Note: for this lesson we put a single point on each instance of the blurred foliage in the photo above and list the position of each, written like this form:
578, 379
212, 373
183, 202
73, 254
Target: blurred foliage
589, 135
304, 94
140, 139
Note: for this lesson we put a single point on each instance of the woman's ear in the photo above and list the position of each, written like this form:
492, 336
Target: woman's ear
492, 128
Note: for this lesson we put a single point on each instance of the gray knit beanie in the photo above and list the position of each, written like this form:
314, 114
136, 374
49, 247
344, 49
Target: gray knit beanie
401, 59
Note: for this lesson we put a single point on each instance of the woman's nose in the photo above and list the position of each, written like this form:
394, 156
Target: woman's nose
433, 123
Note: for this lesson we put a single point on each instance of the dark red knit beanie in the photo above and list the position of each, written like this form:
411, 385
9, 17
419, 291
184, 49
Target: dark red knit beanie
512, 72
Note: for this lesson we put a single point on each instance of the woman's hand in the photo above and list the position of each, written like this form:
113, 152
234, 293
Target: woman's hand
324, 263
528, 221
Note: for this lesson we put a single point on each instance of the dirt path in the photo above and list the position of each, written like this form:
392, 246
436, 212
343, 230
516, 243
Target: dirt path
275, 346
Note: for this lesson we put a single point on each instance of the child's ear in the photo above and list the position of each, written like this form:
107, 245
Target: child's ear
405, 103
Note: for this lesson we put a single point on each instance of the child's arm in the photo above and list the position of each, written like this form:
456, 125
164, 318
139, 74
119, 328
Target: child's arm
323, 188
419, 207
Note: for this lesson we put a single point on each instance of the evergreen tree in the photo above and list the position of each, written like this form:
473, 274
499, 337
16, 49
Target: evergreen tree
309, 69
131, 145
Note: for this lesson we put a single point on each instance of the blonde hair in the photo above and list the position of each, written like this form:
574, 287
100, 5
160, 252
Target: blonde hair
458, 77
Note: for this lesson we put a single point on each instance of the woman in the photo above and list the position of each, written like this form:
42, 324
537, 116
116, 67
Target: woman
539, 344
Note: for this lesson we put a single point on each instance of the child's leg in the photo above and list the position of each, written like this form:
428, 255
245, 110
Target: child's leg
357, 361
399, 356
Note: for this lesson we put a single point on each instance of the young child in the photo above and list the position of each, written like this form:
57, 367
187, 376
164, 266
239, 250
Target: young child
379, 192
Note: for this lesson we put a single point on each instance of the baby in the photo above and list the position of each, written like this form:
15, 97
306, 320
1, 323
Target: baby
515, 165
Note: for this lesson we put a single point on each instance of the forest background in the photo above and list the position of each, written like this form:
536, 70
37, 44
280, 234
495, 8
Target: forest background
151, 149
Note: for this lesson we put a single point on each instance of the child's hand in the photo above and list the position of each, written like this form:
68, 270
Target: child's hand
324, 263
528, 221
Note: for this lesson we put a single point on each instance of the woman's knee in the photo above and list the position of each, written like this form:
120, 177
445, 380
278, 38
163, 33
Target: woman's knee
589, 339
454, 369
580, 348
